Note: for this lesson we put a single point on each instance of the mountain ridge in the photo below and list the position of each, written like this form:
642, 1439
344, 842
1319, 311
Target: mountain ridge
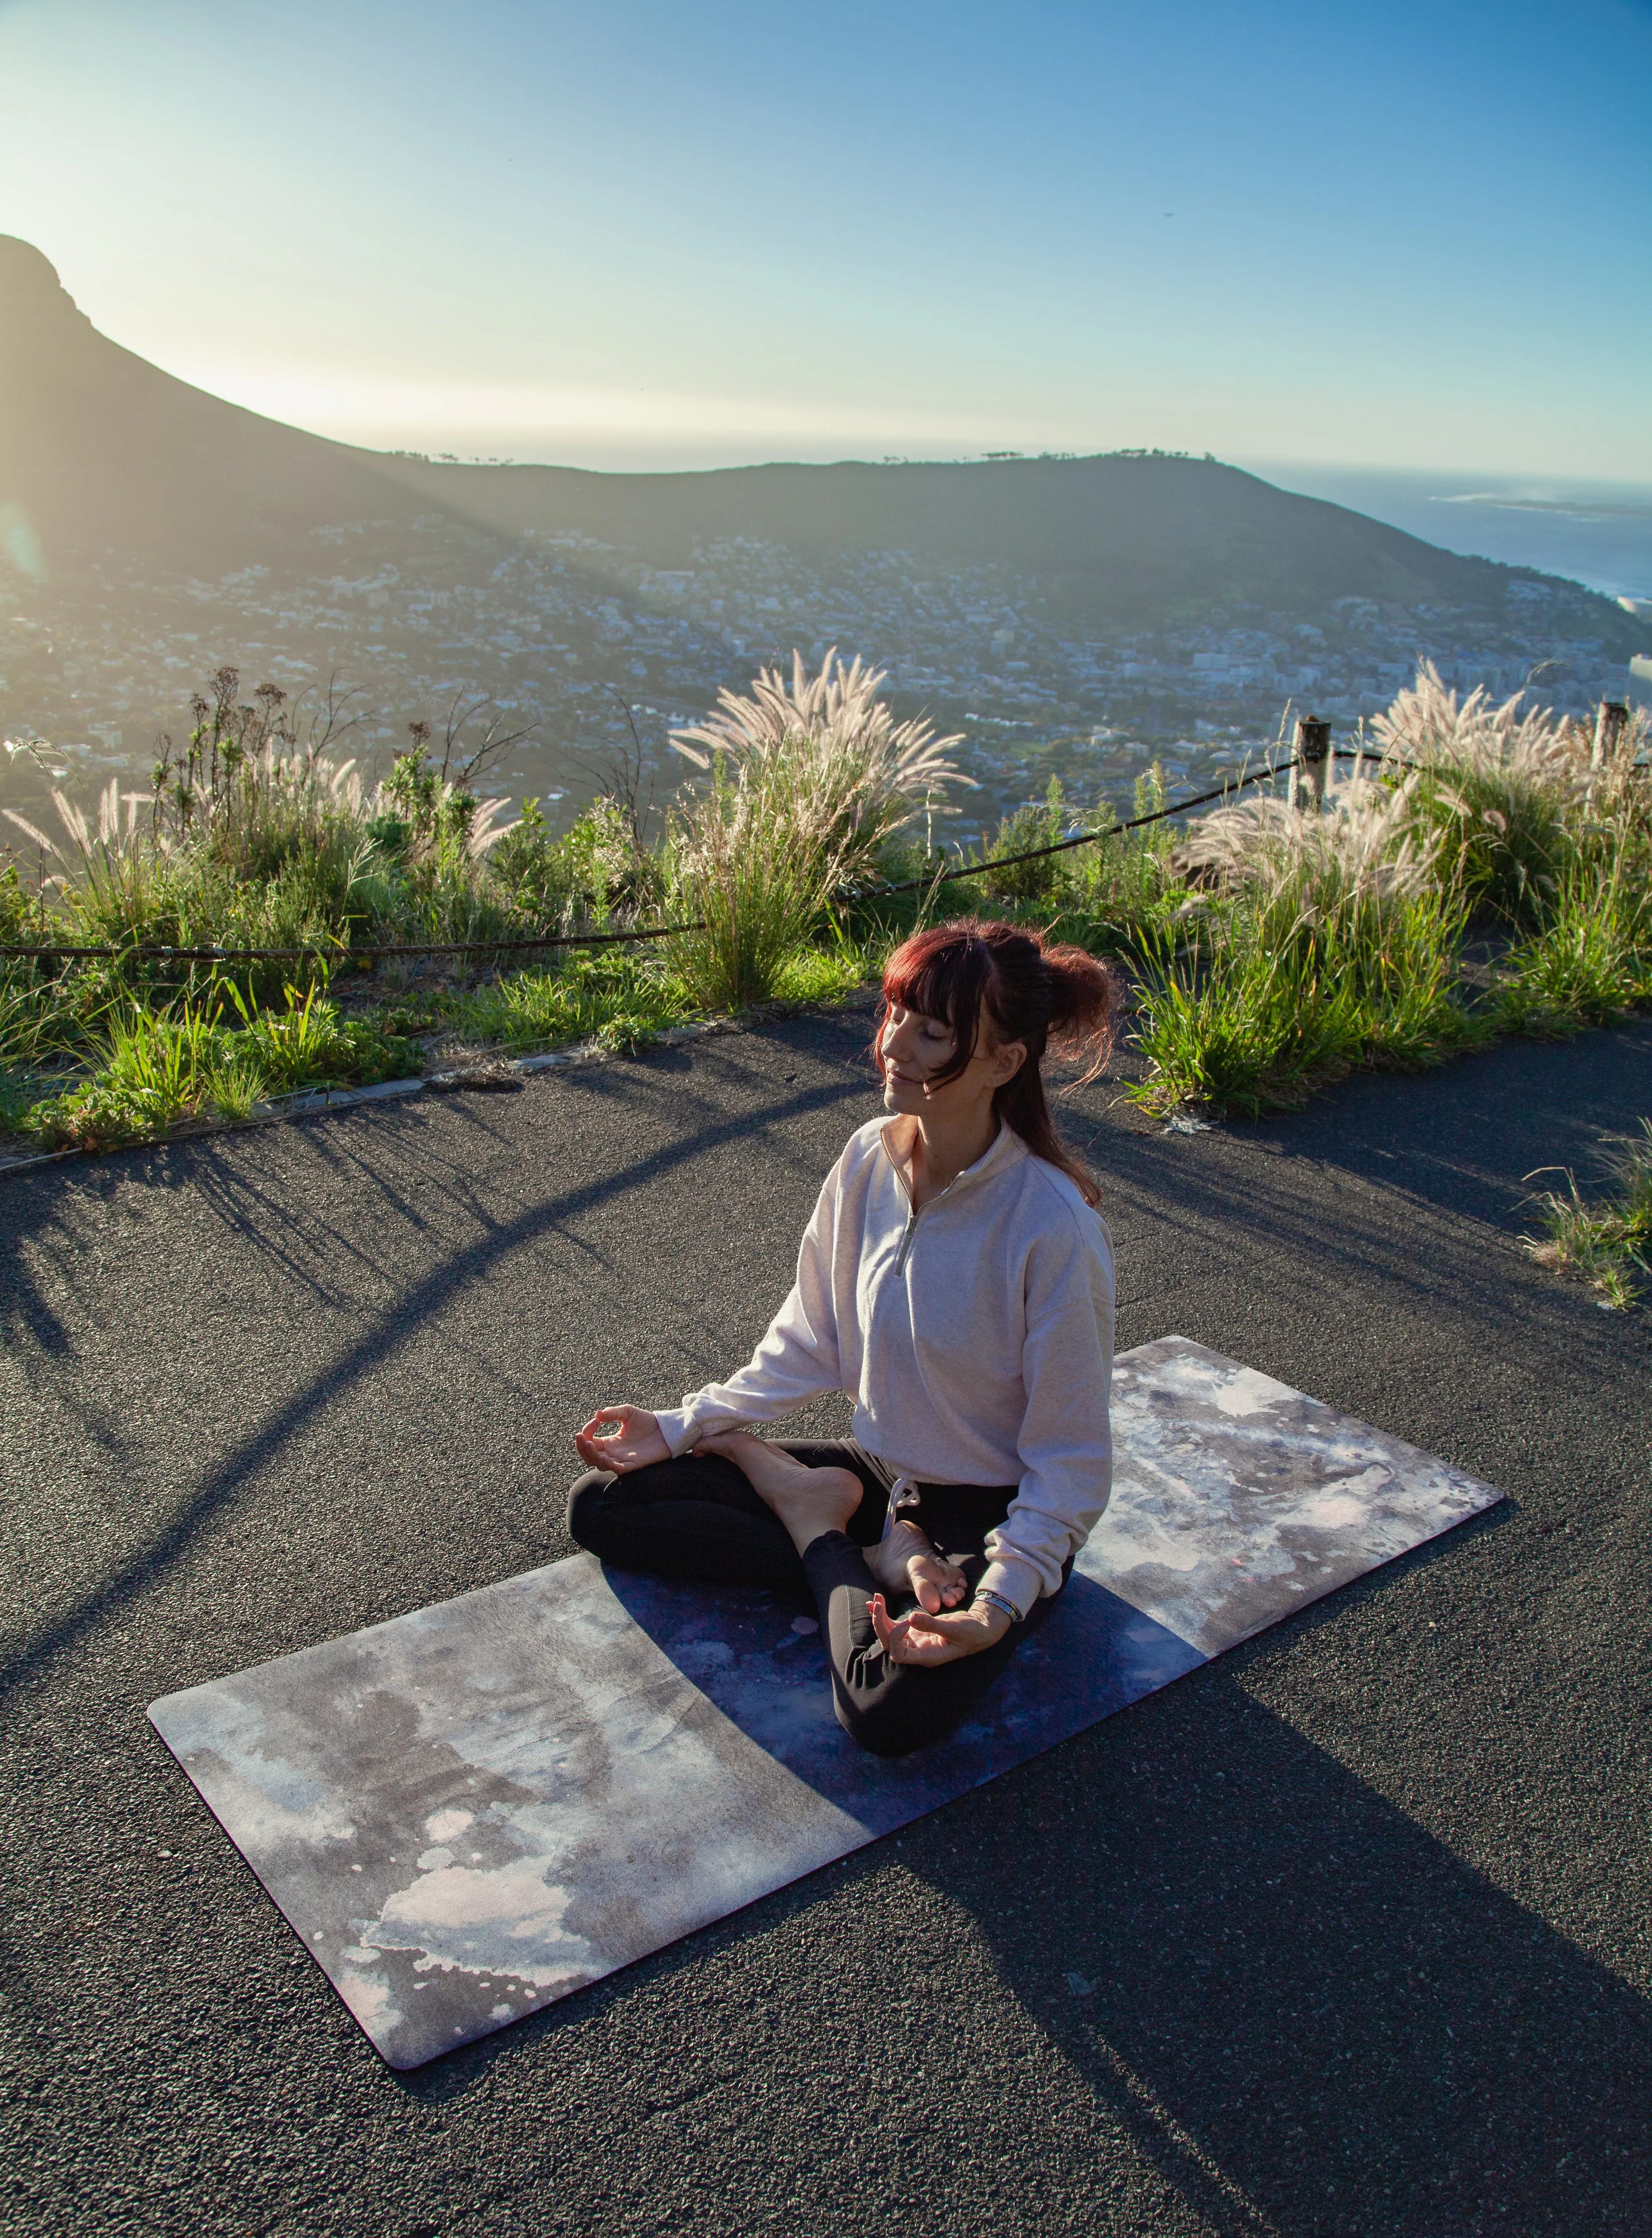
108, 455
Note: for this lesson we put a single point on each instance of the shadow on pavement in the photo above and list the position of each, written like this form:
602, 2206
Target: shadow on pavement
1305, 2010
388, 1331
1469, 1137
1301, 2007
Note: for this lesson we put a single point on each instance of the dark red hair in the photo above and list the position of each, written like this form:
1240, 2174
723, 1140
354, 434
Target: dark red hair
1027, 989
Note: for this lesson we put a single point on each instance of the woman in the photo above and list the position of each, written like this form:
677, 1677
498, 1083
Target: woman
956, 1279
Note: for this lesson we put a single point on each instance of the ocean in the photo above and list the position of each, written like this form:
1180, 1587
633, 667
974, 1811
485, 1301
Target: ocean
1599, 534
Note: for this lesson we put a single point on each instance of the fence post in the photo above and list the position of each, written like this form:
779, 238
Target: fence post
1313, 751
1610, 718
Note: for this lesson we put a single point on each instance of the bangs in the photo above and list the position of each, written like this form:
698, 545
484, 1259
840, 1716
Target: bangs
942, 974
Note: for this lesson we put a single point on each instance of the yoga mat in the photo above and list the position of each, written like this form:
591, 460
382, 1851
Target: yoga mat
470, 1811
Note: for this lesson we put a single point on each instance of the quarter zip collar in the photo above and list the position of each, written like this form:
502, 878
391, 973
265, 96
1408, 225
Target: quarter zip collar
1006, 1147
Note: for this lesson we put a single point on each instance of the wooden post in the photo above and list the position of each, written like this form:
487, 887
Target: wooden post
1313, 751
1610, 720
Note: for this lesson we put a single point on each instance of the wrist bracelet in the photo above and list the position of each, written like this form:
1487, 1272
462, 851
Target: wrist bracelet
997, 1601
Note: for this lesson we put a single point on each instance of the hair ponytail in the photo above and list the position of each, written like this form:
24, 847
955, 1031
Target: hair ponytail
1031, 990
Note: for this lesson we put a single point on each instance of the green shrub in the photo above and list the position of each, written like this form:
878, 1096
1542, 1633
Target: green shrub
309, 1044
155, 1072
24, 919
155, 1069
1024, 832
236, 1086
1102, 896
534, 869
1258, 1010
1237, 1024
1123, 892
594, 873
823, 974
1403, 955
1592, 960
614, 992
19, 1096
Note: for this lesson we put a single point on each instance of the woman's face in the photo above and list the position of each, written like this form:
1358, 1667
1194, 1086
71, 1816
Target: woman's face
913, 1049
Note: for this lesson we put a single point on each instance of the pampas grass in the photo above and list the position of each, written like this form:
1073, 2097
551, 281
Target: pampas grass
853, 778
1365, 845
1498, 787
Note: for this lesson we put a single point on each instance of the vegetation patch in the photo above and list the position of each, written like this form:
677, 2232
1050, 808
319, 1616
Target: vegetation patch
220, 1057
1273, 944
613, 996
1606, 1240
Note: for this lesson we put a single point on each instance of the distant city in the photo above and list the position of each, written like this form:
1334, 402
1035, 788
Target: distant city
579, 642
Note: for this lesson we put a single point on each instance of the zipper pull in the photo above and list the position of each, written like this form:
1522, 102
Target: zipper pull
906, 1241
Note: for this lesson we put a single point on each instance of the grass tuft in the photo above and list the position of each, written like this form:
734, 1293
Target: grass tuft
1607, 1243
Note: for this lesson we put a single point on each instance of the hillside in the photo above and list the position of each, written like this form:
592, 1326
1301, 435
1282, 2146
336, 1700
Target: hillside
114, 459
1113, 539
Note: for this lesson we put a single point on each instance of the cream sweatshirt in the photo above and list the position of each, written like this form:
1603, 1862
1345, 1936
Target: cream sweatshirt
974, 1333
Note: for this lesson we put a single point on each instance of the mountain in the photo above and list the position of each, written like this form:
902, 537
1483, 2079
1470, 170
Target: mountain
108, 455
110, 458
1121, 538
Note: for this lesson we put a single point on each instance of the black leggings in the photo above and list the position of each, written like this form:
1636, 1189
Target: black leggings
698, 1518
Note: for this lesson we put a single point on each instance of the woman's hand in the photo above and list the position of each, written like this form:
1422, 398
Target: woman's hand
928, 1637
636, 1440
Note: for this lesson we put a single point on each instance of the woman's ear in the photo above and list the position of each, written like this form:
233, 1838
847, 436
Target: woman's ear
1008, 1057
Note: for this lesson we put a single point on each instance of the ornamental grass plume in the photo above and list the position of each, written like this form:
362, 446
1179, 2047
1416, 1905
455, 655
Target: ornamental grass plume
113, 874
1427, 723
757, 864
1366, 846
1498, 787
855, 776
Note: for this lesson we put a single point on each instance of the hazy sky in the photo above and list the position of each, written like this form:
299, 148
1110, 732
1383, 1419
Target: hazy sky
632, 233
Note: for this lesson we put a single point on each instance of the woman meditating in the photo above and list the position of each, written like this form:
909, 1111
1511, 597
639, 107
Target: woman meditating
956, 1279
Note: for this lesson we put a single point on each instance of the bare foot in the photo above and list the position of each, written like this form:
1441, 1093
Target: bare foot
905, 1562
809, 1501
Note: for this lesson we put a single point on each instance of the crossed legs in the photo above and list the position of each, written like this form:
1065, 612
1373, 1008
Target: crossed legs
805, 1519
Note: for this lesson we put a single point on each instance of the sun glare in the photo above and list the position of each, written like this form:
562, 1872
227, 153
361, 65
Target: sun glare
389, 411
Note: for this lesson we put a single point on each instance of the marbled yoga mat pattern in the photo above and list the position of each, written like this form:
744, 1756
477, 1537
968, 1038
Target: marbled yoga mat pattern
469, 1812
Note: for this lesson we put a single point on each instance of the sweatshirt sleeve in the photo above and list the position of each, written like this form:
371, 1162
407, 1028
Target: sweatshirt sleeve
797, 1361
1065, 1444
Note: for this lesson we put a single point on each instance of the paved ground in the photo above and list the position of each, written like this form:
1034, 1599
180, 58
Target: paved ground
1367, 1909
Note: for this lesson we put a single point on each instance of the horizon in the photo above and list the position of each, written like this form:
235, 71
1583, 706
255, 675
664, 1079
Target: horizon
562, 236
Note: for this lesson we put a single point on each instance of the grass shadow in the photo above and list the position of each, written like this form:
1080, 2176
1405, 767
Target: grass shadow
386, 1331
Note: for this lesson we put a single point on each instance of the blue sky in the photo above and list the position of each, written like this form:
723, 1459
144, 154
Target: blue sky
632, 234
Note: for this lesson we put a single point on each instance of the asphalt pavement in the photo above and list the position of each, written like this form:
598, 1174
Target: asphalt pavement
1348, 1932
